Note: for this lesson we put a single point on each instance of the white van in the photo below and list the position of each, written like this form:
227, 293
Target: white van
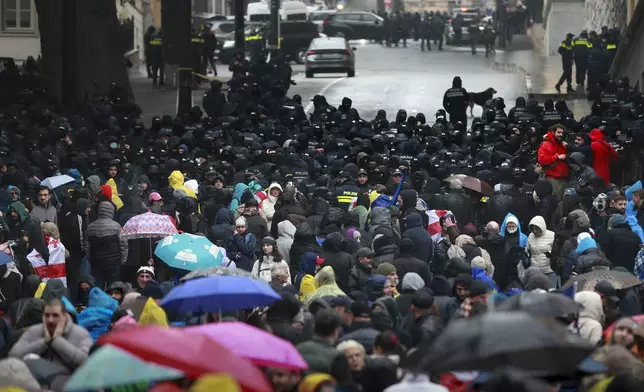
289, 10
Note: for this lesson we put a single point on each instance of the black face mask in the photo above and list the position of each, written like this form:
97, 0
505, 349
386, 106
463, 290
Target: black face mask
83, 296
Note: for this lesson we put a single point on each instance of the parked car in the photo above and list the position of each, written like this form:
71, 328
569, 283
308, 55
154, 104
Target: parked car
204, 18
330, 55
468, 17
353, 25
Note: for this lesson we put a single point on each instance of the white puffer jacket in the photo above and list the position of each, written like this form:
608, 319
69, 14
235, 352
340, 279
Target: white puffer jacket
539, 246
267, 207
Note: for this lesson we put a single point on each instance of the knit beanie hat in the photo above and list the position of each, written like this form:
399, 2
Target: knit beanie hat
385, 269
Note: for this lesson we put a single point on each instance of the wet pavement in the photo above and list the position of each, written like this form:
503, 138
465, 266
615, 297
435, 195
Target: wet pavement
395, 78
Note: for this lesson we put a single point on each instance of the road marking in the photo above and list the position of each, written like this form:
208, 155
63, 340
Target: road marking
321, 92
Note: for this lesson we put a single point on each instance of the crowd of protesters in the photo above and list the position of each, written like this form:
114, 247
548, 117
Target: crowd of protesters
359, 224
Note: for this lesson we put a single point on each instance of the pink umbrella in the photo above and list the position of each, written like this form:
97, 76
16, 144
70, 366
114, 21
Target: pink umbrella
260, 347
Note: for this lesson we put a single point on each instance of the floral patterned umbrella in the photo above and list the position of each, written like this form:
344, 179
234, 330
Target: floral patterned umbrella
148, 225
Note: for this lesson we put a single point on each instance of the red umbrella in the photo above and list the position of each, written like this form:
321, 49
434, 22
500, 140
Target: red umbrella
192, 353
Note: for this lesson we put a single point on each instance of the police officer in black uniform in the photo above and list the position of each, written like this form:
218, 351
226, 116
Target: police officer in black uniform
196, 51
156, 58
581, 47
455, 101
566, 52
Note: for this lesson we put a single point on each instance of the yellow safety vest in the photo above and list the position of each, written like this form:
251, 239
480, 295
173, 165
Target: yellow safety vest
565, 46
156, 41
611, 46
582, 42
256, 37
197, 40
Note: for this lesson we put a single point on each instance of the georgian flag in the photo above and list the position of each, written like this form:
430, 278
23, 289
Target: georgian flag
56, 269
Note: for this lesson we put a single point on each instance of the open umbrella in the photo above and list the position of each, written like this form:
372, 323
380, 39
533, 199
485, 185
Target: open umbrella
587, 281
43, 370
188, 252
56, 181
540, 304
221, 271
111, 366
260, 347
473, 183
497, 339
219, 293
191, 353
148, 225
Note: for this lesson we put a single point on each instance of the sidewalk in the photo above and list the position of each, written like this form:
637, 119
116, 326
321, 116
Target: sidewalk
541, 74
156, 101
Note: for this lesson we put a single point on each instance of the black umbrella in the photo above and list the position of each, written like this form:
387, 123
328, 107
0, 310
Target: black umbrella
497, 339
618, 279
540, 304
43, 370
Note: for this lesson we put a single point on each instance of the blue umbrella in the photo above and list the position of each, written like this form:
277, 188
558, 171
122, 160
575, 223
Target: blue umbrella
219, 293
189, 252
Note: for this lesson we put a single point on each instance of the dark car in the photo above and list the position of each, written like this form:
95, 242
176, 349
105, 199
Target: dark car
330, 55
296, 37
353, 25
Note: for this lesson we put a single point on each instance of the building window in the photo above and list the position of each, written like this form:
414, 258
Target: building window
17, 15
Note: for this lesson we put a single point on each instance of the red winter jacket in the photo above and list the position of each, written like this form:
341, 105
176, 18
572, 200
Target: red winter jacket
547, 157
603, 155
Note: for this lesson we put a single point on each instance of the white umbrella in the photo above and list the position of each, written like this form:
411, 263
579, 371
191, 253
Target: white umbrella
56, 181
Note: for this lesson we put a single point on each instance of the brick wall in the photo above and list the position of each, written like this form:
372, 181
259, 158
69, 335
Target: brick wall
611, 13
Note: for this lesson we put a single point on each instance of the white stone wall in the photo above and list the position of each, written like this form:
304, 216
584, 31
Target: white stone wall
564, 17
611, 13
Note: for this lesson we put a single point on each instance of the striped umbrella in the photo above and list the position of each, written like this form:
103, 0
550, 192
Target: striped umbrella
148, 225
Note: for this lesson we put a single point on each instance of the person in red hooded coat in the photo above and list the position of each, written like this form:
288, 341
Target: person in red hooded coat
603, 154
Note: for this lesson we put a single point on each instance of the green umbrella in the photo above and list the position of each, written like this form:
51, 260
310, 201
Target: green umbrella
111, 366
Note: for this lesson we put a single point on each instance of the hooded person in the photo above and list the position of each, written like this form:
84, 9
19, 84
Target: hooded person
603, 155
19, 222
511, 231
105, 247
304, 242
267, 206
583, 178
73, 219
85, 285
334, 256
545, 201
221, 233
411, 283
563, 249
455, 101
287, 204
540, 243
176, 182
326, 285
242, 245
96, 318
620, 243
286, 231
589, 257
406, 263
417, 233
590, 322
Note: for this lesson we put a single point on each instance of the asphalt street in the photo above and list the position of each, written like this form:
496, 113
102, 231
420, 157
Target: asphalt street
386, 78
407, 78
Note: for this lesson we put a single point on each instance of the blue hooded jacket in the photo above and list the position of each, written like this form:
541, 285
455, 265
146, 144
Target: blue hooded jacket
97, 316
478, 273
523, 239
635, 227
630, 206
237, 194
585, 244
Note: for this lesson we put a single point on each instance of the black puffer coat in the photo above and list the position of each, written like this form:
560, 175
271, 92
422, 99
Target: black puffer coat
621, 246
547, 203
423, 245
334, 255
303, 241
